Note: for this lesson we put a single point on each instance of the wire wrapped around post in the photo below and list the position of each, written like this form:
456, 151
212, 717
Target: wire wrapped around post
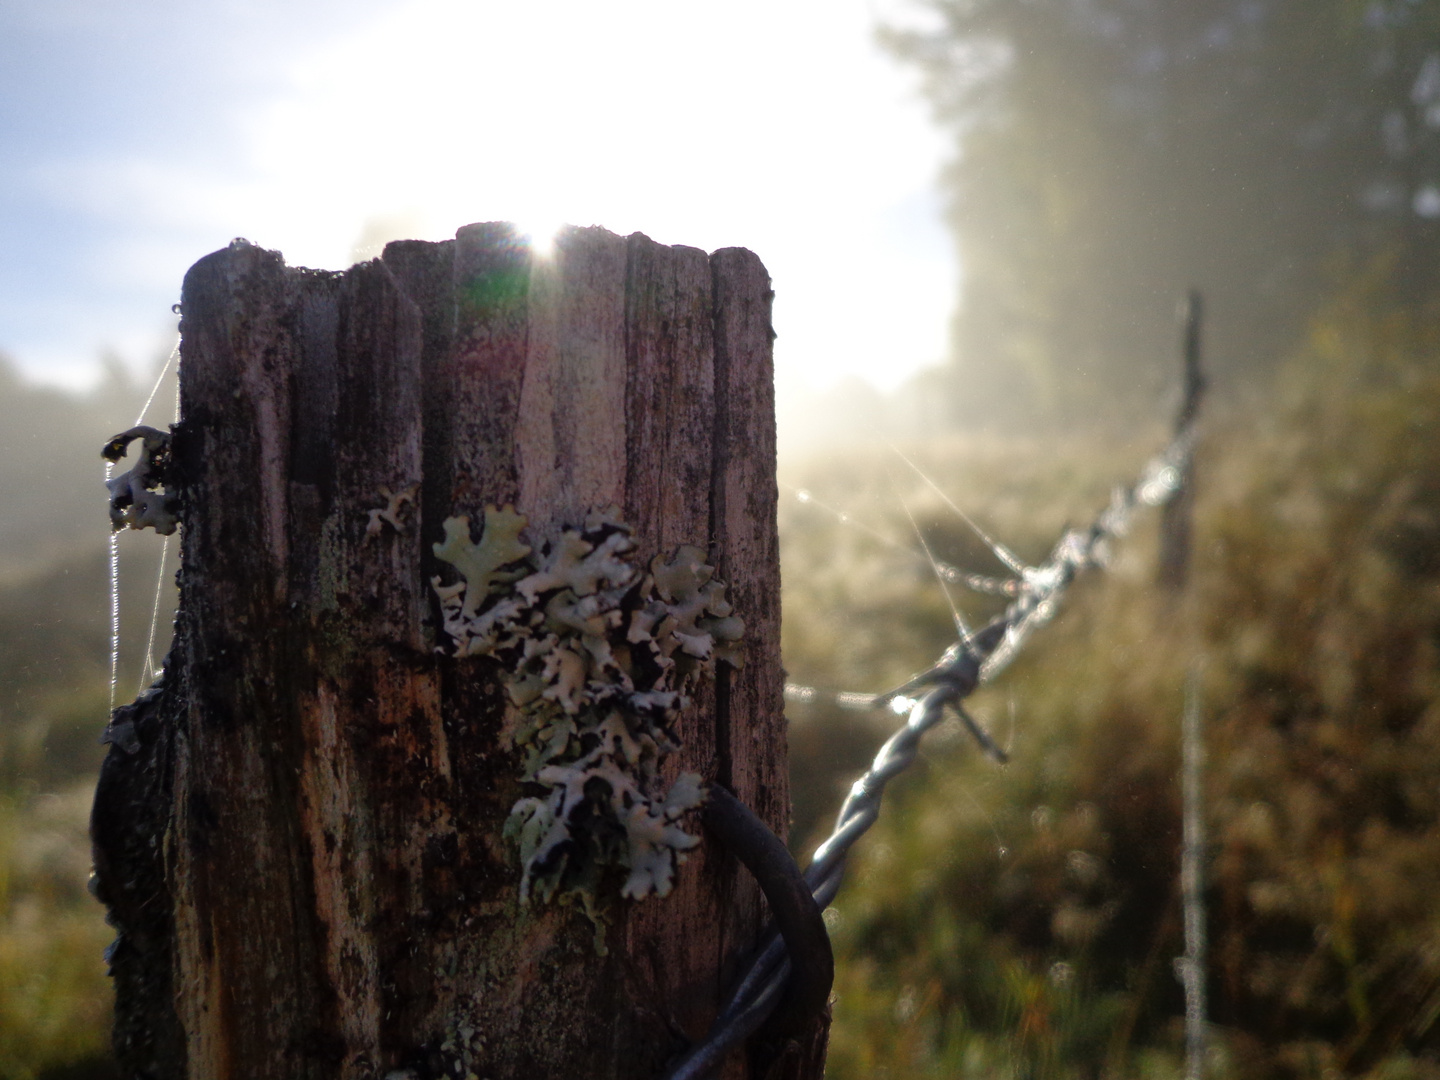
801, 985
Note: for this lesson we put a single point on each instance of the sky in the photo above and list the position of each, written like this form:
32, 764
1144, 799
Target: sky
138, 135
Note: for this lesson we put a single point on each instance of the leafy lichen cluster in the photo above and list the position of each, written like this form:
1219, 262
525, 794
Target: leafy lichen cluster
601, 659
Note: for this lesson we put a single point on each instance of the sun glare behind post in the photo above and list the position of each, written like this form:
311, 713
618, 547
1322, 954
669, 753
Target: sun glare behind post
541, 235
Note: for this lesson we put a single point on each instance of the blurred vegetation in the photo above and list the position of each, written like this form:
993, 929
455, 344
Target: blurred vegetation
1111, 154
55, 1000
1022, 921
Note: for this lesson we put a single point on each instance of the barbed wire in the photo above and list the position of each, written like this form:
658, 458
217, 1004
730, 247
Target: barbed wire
975, 659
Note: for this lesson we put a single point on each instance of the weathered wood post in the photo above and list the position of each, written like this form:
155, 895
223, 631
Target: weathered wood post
300, 833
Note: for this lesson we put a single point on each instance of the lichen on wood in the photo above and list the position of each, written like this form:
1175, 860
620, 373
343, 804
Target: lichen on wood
394, 512
140, 497
600, 659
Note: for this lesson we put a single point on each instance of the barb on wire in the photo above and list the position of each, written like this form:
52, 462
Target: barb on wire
972, 661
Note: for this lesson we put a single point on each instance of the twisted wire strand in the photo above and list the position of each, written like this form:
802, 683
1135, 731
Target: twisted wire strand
971, 662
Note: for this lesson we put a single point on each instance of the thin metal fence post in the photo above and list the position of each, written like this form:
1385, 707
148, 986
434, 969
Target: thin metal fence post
1174, 560
1192, 879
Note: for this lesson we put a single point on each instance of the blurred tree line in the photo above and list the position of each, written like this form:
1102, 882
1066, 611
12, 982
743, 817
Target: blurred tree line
1113, 153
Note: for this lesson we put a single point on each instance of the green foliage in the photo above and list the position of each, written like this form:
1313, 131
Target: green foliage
1022, 921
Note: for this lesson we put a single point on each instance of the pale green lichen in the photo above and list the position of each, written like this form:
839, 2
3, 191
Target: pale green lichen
601, 659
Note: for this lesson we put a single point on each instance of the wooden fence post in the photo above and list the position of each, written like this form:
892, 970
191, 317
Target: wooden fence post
299, 833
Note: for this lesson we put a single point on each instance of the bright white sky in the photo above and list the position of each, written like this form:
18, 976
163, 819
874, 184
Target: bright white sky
137, 136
